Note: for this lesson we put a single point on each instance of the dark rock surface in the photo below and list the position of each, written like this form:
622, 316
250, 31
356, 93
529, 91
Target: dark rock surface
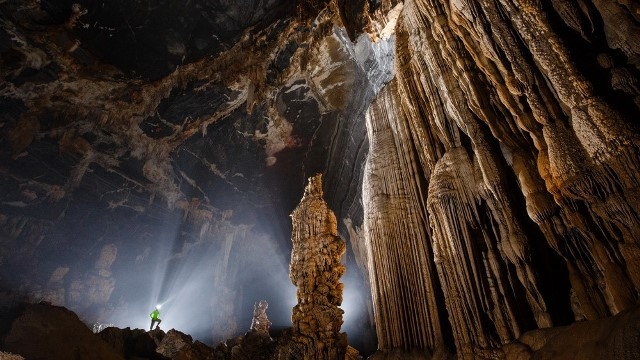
184, 157
610, 338
132, 342
46, 332
151, 39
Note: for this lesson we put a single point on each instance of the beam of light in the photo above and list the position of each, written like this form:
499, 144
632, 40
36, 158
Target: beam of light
140, 284
187, 292
187, 278
268, 280
191, 280
357, 317
352, 305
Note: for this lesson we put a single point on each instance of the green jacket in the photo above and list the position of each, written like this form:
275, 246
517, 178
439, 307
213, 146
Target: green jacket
155, 314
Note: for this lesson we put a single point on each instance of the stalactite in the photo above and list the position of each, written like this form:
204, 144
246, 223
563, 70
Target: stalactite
469, 260
398, 251
487, 91
592, 128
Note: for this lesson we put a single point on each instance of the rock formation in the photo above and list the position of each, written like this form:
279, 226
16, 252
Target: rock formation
255, 343
89, 290
512, 161
9, 356
482, 157
315, 270
260, 322
43, 331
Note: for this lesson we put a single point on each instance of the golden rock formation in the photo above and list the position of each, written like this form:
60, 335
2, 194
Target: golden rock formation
398, 246
316, 270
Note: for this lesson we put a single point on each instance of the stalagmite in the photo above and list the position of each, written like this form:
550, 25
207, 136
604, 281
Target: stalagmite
315, 270
260, 322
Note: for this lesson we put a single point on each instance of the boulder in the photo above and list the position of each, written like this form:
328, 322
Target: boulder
46, 332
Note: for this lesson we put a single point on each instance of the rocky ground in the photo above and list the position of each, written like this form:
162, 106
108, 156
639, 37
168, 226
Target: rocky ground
43, 331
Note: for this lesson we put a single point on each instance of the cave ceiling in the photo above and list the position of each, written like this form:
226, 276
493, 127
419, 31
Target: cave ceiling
142, 130
192, 141
149, 39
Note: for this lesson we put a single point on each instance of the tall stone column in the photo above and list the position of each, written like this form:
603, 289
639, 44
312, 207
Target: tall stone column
316, 270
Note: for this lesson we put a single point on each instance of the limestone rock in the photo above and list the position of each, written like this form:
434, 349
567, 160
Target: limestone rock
352, 354
44, 331
400, 354
616, 337
141, 344
495, 151
316, 270
260, 321
130, 343
252, 345
255, 343
95, 287
9, 356
55, 291
173, 343
107, 256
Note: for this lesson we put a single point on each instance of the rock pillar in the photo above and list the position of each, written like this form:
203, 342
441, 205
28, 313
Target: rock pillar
316, 270
260, 322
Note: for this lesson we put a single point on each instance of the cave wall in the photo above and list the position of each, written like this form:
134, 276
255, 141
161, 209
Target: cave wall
502, 166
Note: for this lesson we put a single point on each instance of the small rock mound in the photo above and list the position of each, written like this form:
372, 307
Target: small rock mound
9, 356
43, 331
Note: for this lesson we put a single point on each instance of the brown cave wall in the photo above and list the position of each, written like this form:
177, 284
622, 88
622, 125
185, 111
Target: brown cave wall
503, 168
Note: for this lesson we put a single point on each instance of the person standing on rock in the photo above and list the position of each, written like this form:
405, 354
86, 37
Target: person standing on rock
155, 317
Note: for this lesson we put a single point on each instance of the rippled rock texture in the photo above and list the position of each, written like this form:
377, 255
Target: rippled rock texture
481, 156
502, 172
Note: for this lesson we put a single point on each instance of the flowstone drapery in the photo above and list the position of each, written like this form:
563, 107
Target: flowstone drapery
497, 148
